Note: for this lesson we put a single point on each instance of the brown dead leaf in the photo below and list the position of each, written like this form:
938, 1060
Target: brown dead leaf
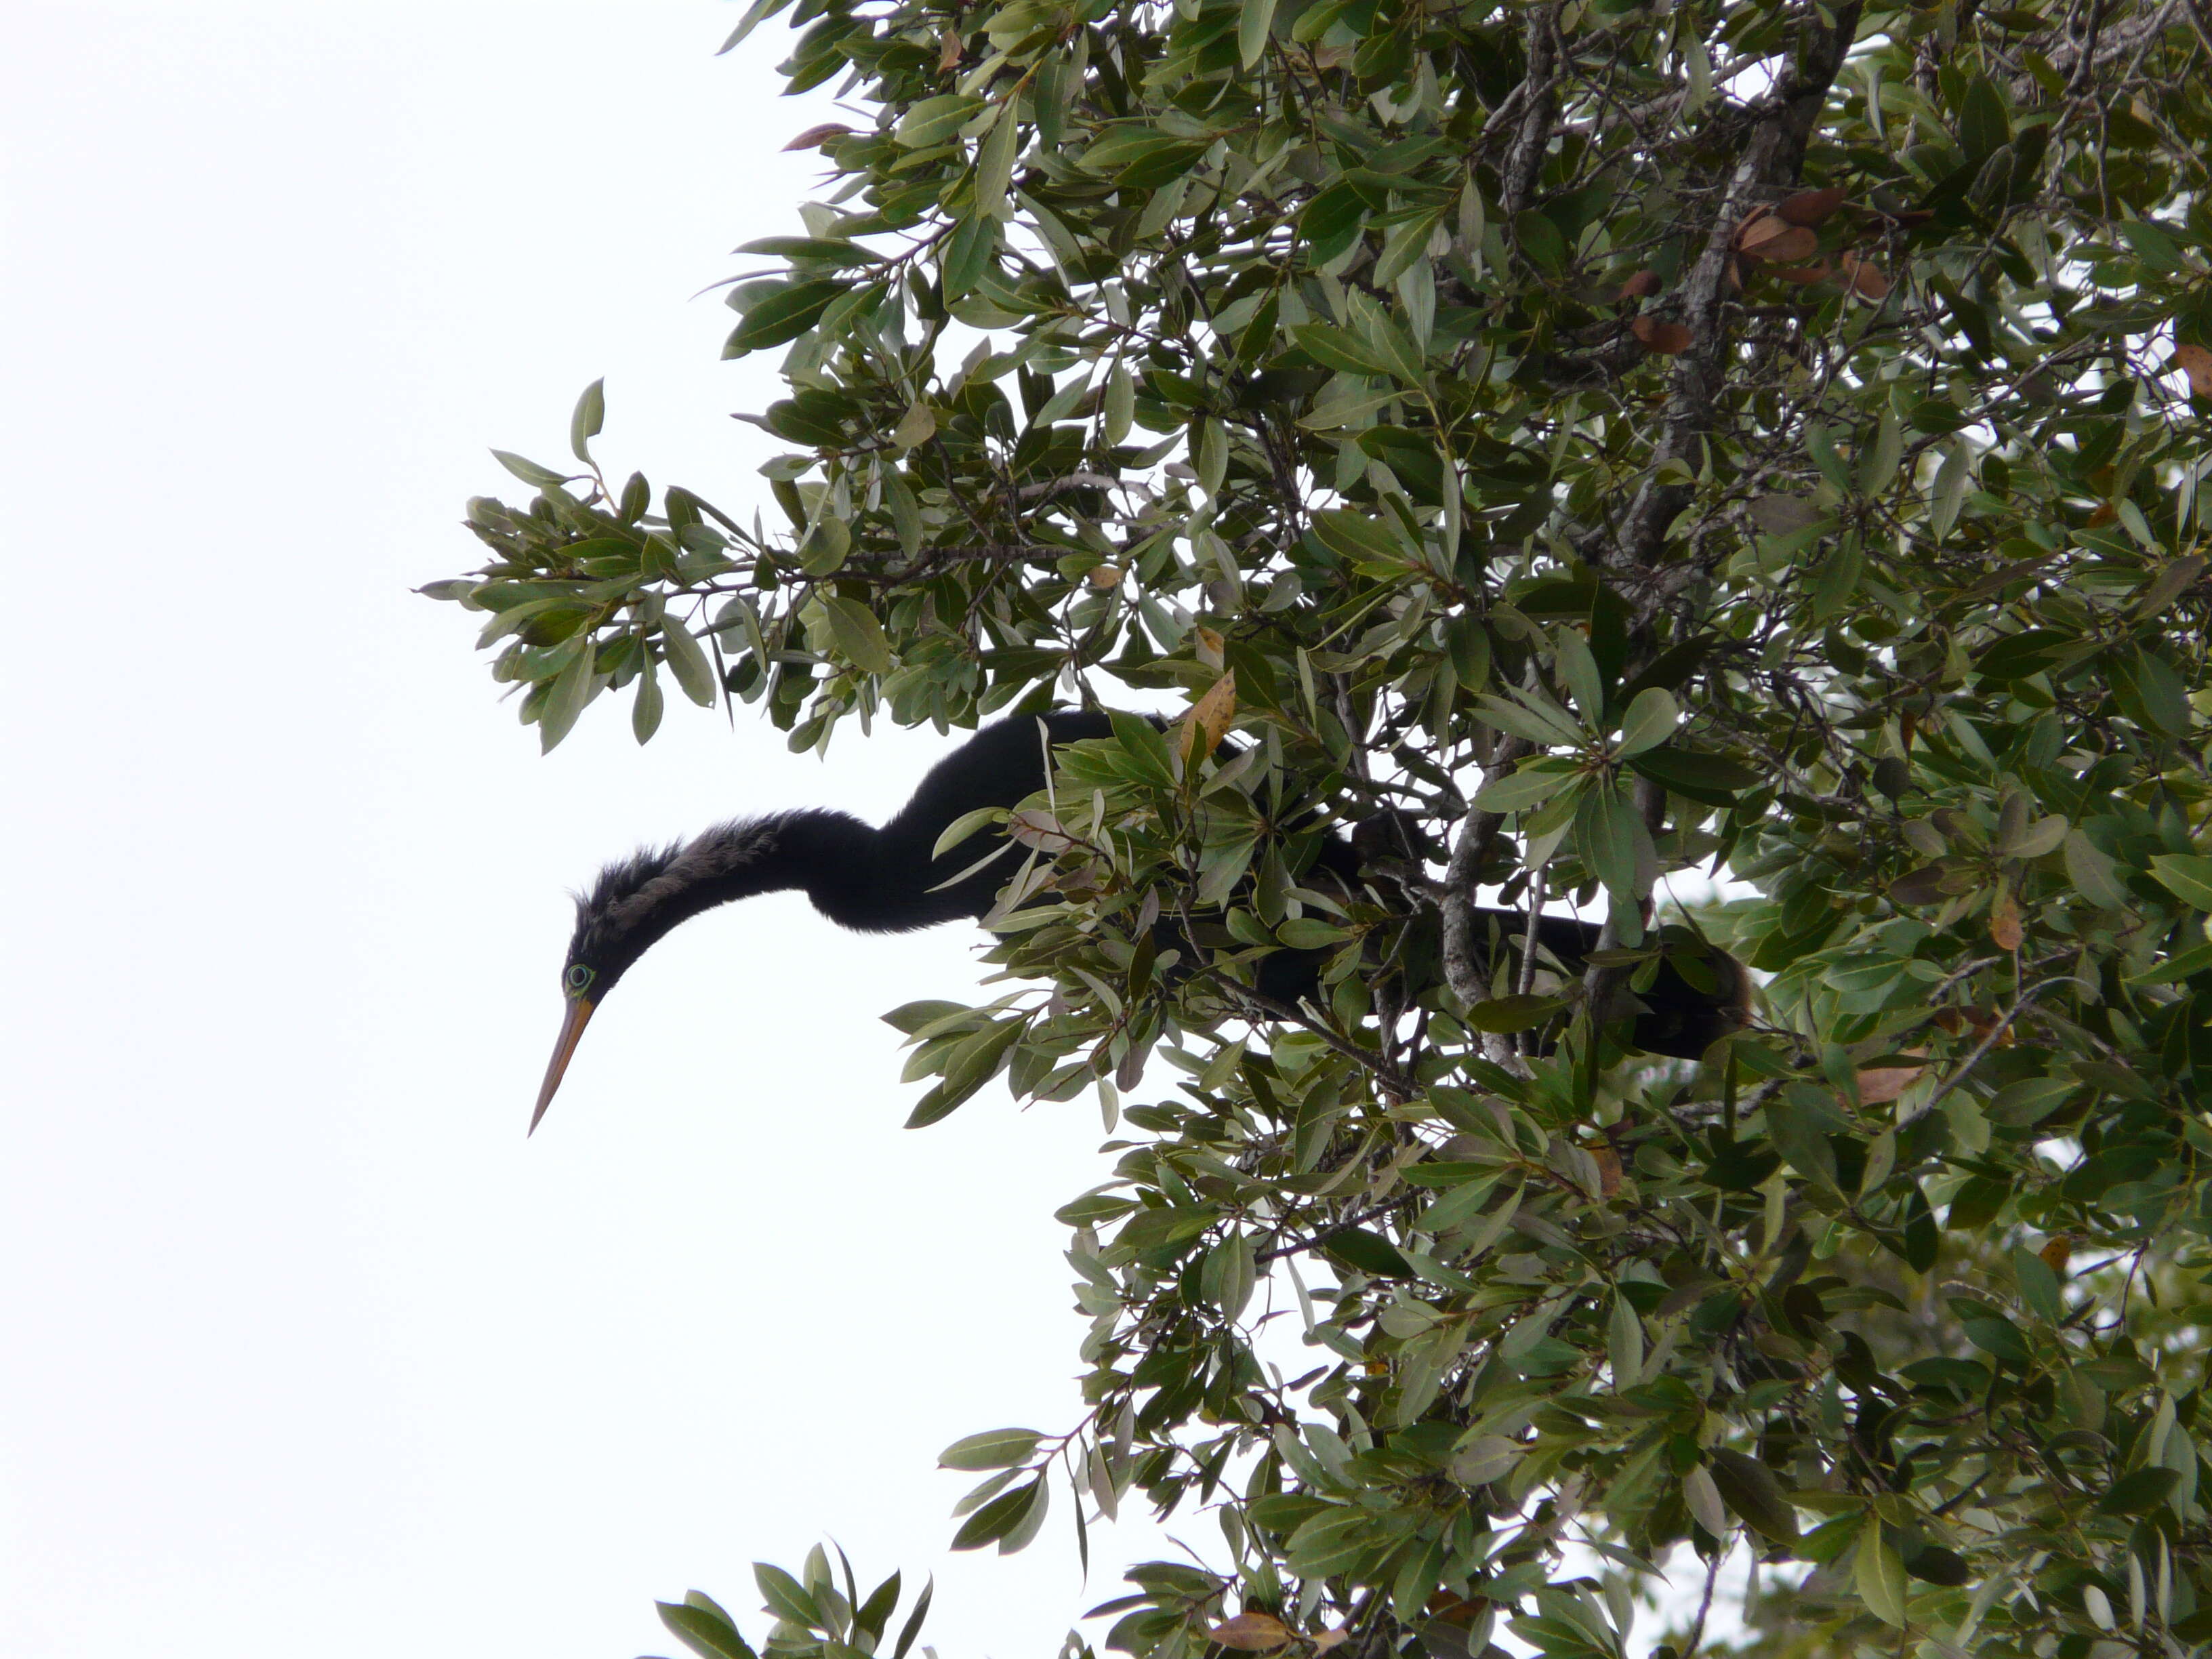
948, 51
2004, 923
1453, 1609
1603, 1154
1331, 1638
1640, 286
2056, 1251
1666, 338
1250, 1632
1039, 828
1865, 278
1810, 207
1805, 276
1774, 242
1207, 723
2103, 513
1880, 1084
2196, 362
816, 137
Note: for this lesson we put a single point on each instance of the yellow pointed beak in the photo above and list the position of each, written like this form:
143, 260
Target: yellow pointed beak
571, 1031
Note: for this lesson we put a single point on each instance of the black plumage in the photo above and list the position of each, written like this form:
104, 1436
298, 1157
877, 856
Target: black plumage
886, 880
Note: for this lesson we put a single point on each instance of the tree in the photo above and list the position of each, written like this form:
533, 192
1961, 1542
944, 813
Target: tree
1625, 441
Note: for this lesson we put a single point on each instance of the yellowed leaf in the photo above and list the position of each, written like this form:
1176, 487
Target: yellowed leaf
2057, 1251
1330, 1638
1207, 723
1211, 647
1104, 575
2004, 923
2196, 362
1250, 1632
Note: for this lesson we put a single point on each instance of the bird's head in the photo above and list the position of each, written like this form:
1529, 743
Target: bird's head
621, 915
633, 905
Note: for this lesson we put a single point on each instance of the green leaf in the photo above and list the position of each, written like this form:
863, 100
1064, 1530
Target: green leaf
821, 250
993, 1449
1948, 493
688, 662
1820, 445
1254, 18
968, 254
2139, 1490
1231, 1272
857, 634
1578, 674
1406, 245
572, 690
591, 413
786, 1597
1540, 240
1502, 1016
934, 121
2149, 692
974, 1062
1651, 719
911, 1017
999, 1517
705, 1629
1535, 782
529, 471
783, 316
1339, 349
1748, 1487
1879, 1576
911, 1628
1369, 1252
755, 14
1878, 465
1694, 774
2186, 876
994, 165
1613, 839
645, 712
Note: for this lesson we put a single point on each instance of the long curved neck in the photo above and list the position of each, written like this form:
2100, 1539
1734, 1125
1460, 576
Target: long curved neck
859, 876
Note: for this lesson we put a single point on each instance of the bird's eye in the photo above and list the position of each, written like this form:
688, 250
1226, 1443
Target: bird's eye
578, 977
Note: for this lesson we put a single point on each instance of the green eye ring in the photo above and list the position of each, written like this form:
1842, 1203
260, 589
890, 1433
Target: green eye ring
576, 979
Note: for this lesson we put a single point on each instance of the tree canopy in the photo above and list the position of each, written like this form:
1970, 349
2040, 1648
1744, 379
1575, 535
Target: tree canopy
1635, 444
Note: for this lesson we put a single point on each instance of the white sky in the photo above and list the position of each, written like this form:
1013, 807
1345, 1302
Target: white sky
303, 1348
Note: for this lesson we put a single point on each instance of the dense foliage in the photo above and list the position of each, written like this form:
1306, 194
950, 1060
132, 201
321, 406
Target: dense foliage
1629, 439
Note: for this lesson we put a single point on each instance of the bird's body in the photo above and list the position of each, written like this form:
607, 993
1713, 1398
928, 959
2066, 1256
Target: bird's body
890, 879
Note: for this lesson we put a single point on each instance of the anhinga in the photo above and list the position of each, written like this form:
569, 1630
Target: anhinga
887, 881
